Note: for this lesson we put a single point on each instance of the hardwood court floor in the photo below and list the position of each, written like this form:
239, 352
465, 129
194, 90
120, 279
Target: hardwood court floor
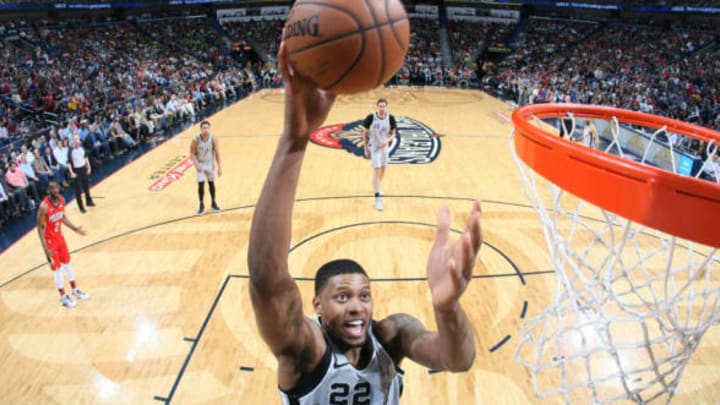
169, 318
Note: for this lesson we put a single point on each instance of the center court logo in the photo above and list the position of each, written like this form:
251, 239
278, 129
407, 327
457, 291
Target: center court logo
415, 142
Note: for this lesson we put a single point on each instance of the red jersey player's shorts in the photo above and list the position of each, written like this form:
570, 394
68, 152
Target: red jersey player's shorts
60, 253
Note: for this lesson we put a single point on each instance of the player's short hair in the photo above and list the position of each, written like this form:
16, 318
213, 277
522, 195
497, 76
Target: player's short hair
206, 122
335, 268
381, 100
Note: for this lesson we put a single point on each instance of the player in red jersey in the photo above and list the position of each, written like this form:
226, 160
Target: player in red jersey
50, 217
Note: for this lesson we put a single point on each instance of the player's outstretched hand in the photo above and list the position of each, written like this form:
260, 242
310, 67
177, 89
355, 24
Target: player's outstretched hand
451, 263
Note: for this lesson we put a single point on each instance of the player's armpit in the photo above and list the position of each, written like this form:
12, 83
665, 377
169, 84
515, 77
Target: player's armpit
294, 364
405, 336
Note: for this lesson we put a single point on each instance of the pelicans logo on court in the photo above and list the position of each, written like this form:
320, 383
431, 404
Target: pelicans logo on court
415, 142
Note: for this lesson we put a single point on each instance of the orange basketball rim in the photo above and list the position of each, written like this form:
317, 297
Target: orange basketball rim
672, 203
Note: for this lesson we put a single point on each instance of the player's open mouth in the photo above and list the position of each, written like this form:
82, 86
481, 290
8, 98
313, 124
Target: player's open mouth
354, 328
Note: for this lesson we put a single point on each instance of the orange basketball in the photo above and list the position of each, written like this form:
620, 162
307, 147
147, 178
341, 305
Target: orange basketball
347, 46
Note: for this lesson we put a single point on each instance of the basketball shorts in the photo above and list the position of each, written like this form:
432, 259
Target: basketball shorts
206, 172
379, 157
60, 253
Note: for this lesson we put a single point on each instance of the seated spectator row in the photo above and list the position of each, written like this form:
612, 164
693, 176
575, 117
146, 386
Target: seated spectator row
670, 71
113, 86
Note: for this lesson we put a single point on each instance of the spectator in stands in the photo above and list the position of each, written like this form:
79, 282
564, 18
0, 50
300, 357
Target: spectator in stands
18, 200
187, 108
61, 153
4, 135
41, 169
30, 175
118, 132
4, 161
19, 183
58, 174
7, 208
26, 154
52, 142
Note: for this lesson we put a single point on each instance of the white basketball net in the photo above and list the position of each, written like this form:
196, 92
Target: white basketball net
630, 307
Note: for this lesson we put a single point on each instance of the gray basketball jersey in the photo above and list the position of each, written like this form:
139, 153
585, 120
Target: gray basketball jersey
338, 382
379, 130
204, 149
588, 139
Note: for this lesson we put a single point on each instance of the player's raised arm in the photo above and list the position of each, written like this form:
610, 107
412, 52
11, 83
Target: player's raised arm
449, 271
275, 296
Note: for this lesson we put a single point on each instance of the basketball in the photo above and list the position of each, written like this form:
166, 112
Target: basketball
347, 46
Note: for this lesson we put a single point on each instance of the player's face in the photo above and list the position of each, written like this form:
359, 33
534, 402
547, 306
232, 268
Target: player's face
345, 305
381, 109
205, 129
54, 190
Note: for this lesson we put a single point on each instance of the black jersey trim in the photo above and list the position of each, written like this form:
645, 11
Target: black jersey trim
309, 381
373, 325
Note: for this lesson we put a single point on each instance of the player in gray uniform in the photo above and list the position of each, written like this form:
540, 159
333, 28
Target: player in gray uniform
379, 130
335, 379
344, 356
205, 153
590, 135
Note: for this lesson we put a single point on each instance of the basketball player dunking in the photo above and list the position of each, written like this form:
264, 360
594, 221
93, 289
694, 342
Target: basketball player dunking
204, 151
378, 132
343, 356
50, 217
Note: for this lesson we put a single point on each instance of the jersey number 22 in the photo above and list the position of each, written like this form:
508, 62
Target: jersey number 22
340, 394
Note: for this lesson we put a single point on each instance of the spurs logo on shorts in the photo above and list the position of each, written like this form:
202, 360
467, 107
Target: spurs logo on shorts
415, 142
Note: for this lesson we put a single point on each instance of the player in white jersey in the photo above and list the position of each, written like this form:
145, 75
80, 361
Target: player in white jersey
205, 153
344, 356
379, 129
590, 135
